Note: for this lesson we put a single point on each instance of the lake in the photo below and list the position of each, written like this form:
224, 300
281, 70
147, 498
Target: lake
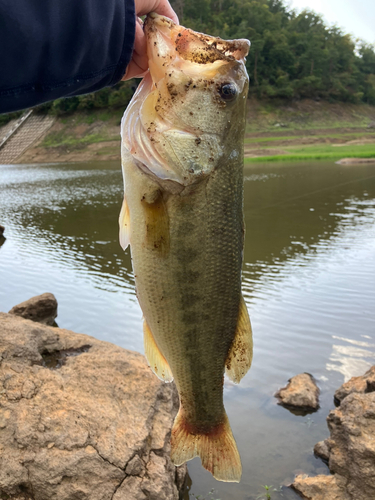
308, 280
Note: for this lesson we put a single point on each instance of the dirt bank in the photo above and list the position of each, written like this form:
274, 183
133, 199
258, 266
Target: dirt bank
271, 129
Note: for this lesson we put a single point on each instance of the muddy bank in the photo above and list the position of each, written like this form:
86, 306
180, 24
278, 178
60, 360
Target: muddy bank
356, 161
101, 151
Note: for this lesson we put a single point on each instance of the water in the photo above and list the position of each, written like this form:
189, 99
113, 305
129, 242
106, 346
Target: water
308, 282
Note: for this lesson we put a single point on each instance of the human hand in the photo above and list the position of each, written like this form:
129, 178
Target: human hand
138, 65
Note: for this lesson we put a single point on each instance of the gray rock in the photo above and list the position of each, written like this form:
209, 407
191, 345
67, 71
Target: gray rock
301, 392
371, 125
96, 426
361, 385
351, 448
41, 308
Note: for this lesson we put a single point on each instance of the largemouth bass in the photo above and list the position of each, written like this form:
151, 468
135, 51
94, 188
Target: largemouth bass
182, 160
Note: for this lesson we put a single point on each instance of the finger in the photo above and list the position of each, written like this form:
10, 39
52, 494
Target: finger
133, 71
138, 64
140, 43
164, 9
161, 7
140, 60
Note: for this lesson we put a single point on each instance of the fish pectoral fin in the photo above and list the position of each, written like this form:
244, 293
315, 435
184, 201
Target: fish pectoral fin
124, 222
156, 360
240, 353
216, 448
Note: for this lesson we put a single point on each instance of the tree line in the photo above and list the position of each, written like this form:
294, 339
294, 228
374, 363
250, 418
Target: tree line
292, 56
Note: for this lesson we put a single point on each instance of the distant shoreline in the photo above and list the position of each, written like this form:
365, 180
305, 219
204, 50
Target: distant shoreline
275, 131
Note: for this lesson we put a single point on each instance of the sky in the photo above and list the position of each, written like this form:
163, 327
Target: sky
356, 17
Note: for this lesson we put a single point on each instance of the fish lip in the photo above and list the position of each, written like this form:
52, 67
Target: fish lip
155, 18
155, 15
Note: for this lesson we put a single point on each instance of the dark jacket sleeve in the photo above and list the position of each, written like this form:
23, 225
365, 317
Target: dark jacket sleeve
60, 48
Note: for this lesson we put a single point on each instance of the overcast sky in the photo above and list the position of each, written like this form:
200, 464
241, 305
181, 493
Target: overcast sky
353, 16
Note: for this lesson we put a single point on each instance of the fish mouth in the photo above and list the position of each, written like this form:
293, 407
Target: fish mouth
167, 42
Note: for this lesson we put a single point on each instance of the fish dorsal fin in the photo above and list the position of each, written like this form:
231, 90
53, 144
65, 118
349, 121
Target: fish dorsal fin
240, 354
124, 222
155, 358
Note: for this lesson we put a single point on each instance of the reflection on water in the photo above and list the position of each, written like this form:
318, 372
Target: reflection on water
309, 263
349, 360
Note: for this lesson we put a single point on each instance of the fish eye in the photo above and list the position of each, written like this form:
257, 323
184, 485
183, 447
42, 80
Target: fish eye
228, 91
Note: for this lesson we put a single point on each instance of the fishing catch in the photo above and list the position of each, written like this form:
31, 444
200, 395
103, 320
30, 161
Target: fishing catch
182, 161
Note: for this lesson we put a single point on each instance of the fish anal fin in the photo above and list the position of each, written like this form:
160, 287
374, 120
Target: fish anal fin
240, 353
155, 358
216, 448
124, 223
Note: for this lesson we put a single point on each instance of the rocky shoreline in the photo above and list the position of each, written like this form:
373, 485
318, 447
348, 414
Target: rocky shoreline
350, 449
82, 418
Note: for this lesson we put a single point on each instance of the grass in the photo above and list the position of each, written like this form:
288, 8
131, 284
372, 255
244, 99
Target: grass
320, 152
55, 139
109, 150
286, 116
81, 129
306, 124
354, 135
93, 116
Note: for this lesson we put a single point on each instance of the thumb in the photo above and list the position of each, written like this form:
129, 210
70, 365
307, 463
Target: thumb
162, 7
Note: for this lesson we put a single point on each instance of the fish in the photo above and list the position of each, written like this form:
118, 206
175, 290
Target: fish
182, 215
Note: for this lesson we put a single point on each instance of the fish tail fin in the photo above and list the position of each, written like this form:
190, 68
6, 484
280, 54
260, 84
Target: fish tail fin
216, 448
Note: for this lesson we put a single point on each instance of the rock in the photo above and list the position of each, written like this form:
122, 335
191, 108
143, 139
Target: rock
350, 449
301, 392
95, 425
320, 488
41, 308
322, 450
352, 444
2, 237
362, 385
371, 125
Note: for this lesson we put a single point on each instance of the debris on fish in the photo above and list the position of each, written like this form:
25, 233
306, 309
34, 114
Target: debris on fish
182, 160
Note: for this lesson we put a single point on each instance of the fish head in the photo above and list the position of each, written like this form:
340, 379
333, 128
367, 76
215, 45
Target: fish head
190, 106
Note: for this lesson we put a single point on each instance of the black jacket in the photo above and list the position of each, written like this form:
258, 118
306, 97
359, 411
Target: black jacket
61, 48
